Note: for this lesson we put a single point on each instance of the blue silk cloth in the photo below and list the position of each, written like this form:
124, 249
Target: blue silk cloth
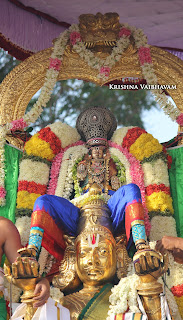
66, 215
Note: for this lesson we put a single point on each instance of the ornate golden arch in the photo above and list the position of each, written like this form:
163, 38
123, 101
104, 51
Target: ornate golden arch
28, 77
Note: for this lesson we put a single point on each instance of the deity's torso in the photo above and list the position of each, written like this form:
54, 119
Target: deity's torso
101, 171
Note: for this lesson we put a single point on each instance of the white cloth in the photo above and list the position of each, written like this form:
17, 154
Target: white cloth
49, 311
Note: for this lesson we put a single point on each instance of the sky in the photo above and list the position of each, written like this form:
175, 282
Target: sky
159, 125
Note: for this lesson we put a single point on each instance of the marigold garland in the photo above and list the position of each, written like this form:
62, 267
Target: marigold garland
34, 158
156, 188
132, 136
26, 199
156, 156
159, 201
36, 146
119, 134
145, 146
32, 187
47, 135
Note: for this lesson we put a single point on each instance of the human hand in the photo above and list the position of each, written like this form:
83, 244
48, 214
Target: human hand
169, 243
178, 255
41, 292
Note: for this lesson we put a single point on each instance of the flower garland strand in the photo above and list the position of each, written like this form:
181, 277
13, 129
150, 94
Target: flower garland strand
103, 67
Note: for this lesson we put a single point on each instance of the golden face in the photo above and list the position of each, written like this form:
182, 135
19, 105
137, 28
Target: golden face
96, 264
97, 152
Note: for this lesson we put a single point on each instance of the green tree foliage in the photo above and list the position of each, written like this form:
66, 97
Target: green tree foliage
70, 97
7, 63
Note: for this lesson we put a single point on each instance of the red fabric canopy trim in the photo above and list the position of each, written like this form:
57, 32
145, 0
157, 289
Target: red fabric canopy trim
15, 51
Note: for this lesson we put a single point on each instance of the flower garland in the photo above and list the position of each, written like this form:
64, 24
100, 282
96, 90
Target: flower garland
56, 294
124, 295
55, 168
77, 188
153, 163
65, 180
103, 66
2, 165
121, 170
137, 177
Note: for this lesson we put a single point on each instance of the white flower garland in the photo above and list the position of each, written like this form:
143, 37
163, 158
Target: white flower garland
43, 257
162, 225
124, 296
23, 225
119, 135
56, 294
65, 181
155, 172
124, 161
102, 65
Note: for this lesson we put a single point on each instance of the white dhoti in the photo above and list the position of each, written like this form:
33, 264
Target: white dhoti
49, 311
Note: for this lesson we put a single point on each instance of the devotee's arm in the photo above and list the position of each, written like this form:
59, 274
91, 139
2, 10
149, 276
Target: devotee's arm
11, 239
11, 242
172, 244
169, 243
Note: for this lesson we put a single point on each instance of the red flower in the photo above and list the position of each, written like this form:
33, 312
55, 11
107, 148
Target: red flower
169, 158
32, 187
55, 64
124, 32
144, 55
157, 188
74, 37
132, 136
177, 290
47, 135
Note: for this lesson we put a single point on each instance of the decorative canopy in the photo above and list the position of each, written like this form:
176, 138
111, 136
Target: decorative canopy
29, 26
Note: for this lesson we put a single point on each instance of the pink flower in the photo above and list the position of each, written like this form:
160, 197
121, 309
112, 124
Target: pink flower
144, 55
105, 71
2, 192
18, 124
56, 165
74, 37
55, 64
179, 119
124, 32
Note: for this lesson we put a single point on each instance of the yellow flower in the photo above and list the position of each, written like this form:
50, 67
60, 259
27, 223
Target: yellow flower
38, 147
145, 146
26, 200
159, 201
